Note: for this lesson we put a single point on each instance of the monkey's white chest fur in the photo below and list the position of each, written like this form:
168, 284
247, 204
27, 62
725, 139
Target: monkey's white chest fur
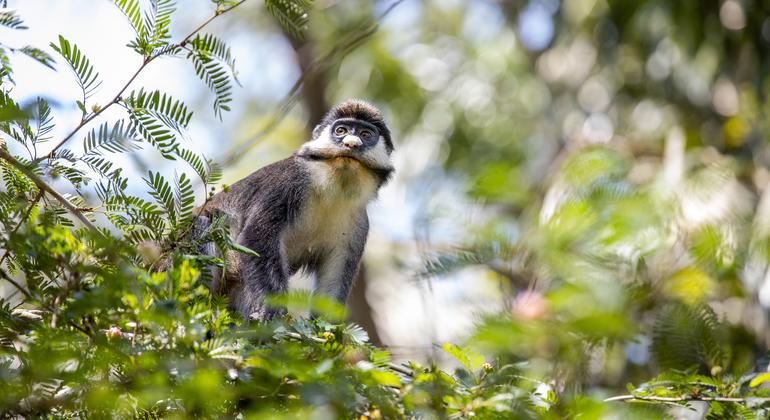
331, 215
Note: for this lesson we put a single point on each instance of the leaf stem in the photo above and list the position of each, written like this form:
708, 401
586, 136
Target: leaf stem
217, 13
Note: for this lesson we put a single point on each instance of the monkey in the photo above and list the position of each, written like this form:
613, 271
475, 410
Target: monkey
307, 211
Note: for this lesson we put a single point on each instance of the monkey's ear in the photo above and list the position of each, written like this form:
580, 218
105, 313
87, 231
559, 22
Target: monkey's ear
317, 131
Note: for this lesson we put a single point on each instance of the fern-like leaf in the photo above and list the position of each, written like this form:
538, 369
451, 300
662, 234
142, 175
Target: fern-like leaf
211, 46
139, 219
215, 66
291, 14
195, 162
121, 138
184, 198
161, 191
10, 19
685, 337
44, 121
75, 176
10, 111
131, 9
173, 113
154, 131
158, 21
88, 78
38, 55
116, 182
214, 171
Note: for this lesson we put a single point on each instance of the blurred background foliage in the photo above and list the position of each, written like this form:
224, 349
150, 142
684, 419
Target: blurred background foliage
580, 202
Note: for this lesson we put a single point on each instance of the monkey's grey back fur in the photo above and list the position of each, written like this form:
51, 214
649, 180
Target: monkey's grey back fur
307, 211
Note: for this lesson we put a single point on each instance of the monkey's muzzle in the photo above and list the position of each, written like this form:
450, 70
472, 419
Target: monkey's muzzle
352, 142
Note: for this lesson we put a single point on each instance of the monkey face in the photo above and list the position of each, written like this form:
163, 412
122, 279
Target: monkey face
352, 130
354, 134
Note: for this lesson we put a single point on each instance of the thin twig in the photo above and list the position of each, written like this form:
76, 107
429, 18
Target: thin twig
21, 222
401, 369
99, 111
685, 398
298, 336
15, 284
340, 51
43, 186
79, 328
218, 12
146, 61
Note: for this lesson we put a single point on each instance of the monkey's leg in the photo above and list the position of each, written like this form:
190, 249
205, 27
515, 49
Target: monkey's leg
200, 225
260, 277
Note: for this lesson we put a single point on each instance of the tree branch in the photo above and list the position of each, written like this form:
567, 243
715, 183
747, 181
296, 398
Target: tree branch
685, 398
15, 284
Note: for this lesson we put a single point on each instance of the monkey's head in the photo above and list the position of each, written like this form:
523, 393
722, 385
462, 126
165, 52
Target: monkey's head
355, 130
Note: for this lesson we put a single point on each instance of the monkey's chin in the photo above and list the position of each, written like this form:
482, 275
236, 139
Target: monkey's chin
340, 158
347, 160
328, 155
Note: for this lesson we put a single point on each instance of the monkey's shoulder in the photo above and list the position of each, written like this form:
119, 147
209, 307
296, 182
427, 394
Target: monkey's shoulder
278, 184
283, 176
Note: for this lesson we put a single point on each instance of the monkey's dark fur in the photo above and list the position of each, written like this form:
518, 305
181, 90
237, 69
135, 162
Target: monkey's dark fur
307, 211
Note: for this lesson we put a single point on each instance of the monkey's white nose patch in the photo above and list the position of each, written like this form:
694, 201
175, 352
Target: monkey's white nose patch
352, 141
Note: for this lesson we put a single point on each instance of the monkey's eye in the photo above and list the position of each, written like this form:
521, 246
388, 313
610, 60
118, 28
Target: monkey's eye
366, 134
341, 130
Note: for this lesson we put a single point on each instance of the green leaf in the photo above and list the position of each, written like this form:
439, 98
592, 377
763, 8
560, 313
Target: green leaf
760, 379
380, 358
131, 9
9, 111
38, 55
196, 162
120, 138
163, 194
88, 78
158, 21
10, 19
687, 336
153, 130
291, 14
215, 66
184, 198
44, 121
385, 378
471, 360
242, 249
173, 113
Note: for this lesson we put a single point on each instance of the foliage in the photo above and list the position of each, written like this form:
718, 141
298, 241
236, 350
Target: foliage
613, 278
